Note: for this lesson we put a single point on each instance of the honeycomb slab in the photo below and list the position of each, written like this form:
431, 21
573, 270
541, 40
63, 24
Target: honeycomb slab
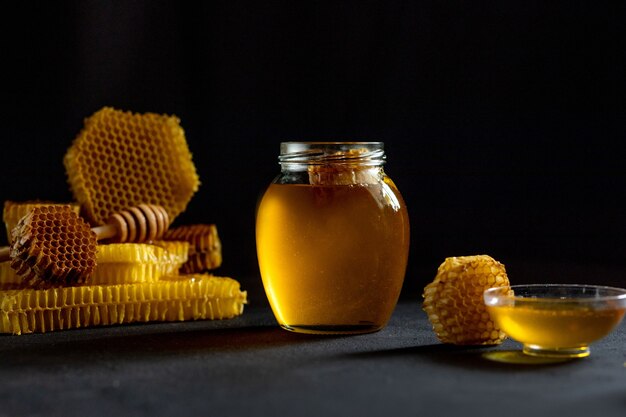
180, 298
126, 263
121, 159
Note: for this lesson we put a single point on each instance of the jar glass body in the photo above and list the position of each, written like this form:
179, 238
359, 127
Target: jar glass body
332, 234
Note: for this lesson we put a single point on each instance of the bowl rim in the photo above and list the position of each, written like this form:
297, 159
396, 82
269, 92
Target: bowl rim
493, 296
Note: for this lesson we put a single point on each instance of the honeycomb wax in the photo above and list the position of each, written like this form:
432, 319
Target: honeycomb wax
13, 211
125, 263
52, 246
121, 159
454, 300
205, 247
179, 298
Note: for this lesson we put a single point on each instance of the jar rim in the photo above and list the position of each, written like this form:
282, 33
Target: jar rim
334, 142
326, 152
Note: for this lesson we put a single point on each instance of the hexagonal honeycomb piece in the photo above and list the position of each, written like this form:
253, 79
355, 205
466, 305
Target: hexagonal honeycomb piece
454, 300
53, 246
122, 159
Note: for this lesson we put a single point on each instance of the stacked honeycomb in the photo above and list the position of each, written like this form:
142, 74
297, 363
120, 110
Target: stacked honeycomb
454, 300
122, 159
123, 263
205, 247
120, 167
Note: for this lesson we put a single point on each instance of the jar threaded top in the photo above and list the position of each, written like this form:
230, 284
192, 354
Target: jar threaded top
294, 154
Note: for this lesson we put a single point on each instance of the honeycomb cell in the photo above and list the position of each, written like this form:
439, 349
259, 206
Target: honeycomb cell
122, 159
14, 211
454, 300
197, 297
47, 259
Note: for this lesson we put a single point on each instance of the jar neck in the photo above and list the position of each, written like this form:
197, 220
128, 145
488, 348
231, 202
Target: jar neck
332, 163
299, 156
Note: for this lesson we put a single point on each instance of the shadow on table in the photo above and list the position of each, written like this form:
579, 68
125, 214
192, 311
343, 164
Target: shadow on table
469, 357
133, 343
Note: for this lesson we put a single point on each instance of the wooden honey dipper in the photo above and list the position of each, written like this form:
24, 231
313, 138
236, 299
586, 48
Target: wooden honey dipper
142, 223
53, 246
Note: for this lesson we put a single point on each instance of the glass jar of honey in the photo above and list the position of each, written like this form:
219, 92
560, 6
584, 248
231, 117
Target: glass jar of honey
332, 234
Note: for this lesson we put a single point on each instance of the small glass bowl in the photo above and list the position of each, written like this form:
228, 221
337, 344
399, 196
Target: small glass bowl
556, 320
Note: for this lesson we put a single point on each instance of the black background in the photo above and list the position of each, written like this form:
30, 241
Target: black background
503, 121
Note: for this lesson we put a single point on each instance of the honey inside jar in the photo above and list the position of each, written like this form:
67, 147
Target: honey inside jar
333, 249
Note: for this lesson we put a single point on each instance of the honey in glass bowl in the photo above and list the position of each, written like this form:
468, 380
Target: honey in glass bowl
332, 237
557, 320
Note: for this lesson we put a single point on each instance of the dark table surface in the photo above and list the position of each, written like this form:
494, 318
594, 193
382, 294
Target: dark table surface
249, 366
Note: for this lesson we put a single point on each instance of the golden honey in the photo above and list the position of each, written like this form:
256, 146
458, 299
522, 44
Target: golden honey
556, 326
333, 252
556, 320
